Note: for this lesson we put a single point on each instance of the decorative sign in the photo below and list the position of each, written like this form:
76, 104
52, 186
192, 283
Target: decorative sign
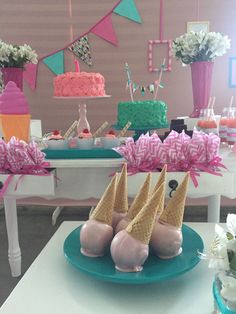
197, 26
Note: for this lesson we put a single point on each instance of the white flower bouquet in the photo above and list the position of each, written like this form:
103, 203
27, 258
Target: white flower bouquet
200, 46
15, 55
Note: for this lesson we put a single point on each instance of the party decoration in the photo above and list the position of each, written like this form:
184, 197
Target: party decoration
159, 41
127, 8
55, 62
17, 157
178, 151
105, 30
152, 88
30, 74
81, 48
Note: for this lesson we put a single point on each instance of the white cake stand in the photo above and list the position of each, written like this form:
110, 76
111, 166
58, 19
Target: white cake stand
82, 97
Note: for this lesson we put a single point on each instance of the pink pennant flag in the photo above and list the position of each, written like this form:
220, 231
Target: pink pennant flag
30, 74
105, 30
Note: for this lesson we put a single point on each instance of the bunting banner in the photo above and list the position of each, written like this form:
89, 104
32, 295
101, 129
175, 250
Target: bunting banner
55, 62
30, 74
150, 87
81, 46
105, 30
128, 9
81, 49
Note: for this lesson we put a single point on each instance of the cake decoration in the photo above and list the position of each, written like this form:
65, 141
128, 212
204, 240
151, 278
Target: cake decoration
166, 240
14, 113
121, 198
137, 204
79, 84
143, 114
129, 247
97, 233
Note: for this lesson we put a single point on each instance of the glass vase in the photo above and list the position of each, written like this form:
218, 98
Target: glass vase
13, 74
201, 72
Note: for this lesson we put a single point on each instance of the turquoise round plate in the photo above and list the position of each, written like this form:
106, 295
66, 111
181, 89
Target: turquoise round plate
154, 269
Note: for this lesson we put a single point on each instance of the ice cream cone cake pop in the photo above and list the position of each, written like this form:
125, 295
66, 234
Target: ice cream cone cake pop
137, 204
129, 247
121, 198
96, 234
166, 240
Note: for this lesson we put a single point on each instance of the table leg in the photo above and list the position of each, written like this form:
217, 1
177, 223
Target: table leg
213, 214
14, 252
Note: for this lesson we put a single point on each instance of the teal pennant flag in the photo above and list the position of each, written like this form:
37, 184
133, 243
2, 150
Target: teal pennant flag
55, 62
128, 9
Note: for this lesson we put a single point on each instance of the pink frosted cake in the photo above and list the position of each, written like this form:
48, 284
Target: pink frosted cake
79, 84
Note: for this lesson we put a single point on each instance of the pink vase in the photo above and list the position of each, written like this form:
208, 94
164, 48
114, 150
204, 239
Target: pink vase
201, 83
13, 74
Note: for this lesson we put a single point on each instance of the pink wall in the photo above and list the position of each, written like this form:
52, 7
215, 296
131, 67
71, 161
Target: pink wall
45, 25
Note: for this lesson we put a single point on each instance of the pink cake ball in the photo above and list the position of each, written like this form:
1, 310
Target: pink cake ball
128, 253
95, 238
166, 240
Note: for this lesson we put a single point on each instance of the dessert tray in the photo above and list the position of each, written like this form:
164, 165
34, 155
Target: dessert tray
154, 269
74, 153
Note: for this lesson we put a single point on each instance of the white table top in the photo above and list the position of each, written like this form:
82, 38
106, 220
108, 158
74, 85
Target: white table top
52, 285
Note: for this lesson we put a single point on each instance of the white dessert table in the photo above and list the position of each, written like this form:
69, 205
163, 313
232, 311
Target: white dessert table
83, 181
52, 285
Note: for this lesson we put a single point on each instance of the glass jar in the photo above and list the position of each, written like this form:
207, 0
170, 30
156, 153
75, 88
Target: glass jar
222, 304
208, 123
201, 119
223, 125
231, 126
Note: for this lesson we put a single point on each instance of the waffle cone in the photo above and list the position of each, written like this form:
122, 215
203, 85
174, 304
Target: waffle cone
104, 208
161, 179
17, 125
174, 211
142, 225
140, 199
121, 199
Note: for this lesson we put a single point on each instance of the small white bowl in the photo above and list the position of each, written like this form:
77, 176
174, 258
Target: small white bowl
110, 142
85, 143
56, 144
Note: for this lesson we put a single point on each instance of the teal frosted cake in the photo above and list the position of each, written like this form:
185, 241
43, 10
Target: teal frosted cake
142, 114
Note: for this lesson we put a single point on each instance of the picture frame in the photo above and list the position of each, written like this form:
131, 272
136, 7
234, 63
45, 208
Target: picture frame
152, 44
198, 26
232, 72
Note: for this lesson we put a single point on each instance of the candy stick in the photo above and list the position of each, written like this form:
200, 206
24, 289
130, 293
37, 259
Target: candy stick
159, 78
99, 130
129, 81
124, 130
71, 128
